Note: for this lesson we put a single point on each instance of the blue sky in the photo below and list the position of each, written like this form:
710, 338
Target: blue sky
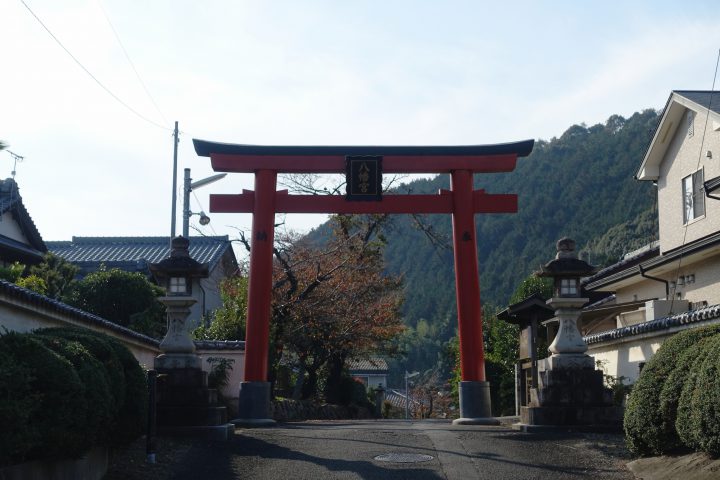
310, 72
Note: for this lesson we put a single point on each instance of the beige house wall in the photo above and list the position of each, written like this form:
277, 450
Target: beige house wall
623, 359
644, 289
685, 155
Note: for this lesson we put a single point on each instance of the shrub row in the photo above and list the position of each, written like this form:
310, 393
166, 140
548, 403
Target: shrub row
64, 390
673, 404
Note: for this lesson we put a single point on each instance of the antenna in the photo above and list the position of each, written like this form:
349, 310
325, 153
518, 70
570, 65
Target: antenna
17, 158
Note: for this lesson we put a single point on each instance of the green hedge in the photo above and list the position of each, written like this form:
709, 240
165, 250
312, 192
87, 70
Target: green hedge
126, 376
672, 390
645, 427
697, 420
52, 425
65, 390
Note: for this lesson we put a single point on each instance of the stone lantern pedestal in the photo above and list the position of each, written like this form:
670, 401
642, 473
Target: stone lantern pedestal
185, 404
571, 394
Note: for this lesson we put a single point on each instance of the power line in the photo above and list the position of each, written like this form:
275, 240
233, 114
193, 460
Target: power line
127, 56
109, 92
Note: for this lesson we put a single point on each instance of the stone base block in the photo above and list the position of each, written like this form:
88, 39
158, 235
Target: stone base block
191, 416
254, 407
213, 432
475, 404
175, 361
572, 416
567, 361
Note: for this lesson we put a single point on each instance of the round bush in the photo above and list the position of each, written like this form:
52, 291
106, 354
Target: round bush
18, 402
670, 395
94, 378
706, 402
644, 424
57, 418
99, 347
130, 393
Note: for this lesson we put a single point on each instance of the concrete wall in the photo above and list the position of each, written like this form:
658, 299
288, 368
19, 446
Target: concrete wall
685, 155
20, 316
232, 390
623, 356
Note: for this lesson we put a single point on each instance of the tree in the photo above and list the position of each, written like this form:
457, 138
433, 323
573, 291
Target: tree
57, 274
125, 298
228, 321
331, 302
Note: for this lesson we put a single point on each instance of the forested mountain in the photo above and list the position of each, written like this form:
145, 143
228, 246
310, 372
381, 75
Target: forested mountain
579, 185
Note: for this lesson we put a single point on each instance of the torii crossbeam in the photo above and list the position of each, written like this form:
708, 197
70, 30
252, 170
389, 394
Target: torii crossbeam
461, 162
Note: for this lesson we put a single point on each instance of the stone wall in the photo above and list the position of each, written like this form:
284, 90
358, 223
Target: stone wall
292, 410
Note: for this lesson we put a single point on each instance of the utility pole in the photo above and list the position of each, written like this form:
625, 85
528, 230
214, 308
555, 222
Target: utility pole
176, 140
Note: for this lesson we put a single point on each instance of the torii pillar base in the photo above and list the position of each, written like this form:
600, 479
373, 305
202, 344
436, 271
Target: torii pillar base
475, 404
254, 406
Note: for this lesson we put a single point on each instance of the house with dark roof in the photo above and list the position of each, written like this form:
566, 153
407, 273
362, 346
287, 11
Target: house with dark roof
673, 283
134, 254
20, 240
372, 372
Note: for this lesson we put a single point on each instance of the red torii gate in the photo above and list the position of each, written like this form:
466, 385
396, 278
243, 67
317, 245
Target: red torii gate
461, 162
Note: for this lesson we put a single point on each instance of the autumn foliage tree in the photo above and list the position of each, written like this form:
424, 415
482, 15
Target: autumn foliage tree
332, 302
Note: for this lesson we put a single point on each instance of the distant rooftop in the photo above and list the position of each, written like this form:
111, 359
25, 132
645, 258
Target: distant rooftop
134, 253
11, 201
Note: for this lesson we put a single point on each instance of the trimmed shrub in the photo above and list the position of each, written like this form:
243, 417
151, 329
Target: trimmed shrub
97, 344
706, 408
18, 402
95, 383
130, 392
644, 424
671, 392
55, 422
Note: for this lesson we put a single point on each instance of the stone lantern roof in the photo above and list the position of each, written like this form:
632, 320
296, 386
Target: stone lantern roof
179, 263
566, 263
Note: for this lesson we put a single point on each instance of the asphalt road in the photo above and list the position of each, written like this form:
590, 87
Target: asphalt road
348, 450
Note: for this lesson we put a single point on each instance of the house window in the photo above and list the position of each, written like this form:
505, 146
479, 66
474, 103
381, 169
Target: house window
693, 200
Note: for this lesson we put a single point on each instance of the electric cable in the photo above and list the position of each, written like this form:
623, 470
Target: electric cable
107, 90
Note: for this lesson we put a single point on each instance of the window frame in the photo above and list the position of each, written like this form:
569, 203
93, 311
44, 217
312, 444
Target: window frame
693, 196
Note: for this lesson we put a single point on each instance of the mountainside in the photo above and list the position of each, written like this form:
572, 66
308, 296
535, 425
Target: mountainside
580, 185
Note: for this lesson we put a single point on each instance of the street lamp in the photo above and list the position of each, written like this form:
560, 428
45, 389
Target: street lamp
187, 188
407, 392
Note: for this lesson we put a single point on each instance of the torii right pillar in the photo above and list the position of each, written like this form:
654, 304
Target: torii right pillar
474, 390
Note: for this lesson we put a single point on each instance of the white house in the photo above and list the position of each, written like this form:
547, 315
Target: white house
20, 240
673, 283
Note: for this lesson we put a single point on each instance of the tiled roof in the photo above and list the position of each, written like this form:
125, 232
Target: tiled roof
624, 264
706, 98
706, 313
11, 201
374, 364
126, 252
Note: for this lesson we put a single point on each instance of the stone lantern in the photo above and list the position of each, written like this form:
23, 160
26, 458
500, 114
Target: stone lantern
570, 392
185, 404
176, 274
568, 348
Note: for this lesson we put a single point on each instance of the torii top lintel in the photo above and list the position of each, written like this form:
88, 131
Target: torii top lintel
226, 157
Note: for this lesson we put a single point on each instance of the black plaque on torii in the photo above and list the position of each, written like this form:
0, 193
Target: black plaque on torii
363, 175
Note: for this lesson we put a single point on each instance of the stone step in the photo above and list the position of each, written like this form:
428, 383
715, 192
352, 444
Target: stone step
179, 416
187, 396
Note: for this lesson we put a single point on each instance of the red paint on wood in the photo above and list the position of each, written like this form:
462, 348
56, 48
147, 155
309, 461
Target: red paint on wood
336, 163
472, 356
481, 203
260, 279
